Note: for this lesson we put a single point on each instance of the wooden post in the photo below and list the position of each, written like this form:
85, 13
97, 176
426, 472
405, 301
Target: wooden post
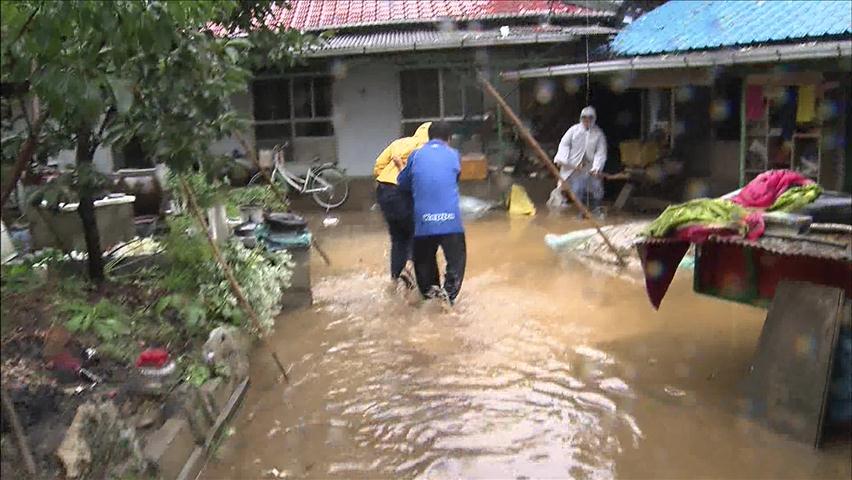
229, 275
18, 430
547, 162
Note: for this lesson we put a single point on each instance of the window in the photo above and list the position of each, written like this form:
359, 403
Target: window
290, 107
439, 94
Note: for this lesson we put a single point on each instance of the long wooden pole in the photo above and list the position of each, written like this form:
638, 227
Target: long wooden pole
546, 161
253, 156
229, 275
18, 430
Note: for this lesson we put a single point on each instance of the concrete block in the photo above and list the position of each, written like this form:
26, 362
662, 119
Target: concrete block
170, 446
199, 420
218, 392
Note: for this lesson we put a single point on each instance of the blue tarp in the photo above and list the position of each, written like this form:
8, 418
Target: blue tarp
680, 26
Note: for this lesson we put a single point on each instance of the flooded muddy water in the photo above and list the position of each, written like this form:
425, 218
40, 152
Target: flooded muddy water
545, 369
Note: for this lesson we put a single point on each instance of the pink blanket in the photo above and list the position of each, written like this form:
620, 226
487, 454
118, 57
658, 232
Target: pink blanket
768, 186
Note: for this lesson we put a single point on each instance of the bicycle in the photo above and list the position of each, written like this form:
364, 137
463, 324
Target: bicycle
327, 184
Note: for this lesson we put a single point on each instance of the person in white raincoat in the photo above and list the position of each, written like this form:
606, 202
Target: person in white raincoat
581, 158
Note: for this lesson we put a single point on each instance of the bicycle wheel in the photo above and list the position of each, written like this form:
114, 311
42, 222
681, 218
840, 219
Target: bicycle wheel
259, 179
335, 187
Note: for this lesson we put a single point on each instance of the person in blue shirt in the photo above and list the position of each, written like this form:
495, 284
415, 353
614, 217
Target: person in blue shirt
431, 178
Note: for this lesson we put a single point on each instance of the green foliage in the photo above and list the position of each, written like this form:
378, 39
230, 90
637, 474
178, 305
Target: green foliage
20, 278
196, 373
263, 277
262, 196
197, 283
109, 72
68, 188
105, 319
208, 188
190, 309
31, 273
188, 254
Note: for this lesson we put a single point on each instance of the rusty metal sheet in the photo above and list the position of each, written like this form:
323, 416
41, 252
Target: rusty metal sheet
787, 386
795, 247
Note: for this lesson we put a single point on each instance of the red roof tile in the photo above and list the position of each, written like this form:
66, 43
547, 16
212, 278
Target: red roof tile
323, 14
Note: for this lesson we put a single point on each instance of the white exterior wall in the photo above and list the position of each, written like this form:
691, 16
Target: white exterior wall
367, 114
102, 160
243, 104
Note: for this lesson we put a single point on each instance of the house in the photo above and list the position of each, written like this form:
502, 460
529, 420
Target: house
736, 87
393, 64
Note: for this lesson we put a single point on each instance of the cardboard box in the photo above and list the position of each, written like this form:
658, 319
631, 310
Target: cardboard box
474, 166
636, 154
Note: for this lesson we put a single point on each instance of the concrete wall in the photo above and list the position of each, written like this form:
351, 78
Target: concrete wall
367, 114
243, 104
102, 160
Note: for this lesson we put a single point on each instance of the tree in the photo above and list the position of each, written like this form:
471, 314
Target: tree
106, 72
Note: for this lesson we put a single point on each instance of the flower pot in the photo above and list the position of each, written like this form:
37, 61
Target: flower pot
251, 213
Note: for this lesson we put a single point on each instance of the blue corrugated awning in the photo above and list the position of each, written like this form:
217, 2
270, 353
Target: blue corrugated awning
680, 26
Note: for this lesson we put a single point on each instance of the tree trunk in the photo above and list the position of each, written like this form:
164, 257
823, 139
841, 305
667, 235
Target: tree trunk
86, 210
25, 156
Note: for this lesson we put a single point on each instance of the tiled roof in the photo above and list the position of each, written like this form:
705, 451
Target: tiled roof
693, 25
336, 14
409, 40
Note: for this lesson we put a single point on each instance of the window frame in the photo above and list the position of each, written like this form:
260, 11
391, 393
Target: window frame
441, 99
292, 120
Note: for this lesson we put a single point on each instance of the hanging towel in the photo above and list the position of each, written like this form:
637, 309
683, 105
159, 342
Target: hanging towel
755, 106
806, 107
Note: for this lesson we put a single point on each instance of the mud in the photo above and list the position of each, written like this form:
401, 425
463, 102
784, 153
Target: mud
546, 368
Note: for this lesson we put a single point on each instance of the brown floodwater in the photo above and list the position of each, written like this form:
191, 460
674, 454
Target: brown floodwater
545, 369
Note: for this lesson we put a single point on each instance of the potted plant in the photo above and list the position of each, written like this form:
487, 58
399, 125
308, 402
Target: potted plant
254, 201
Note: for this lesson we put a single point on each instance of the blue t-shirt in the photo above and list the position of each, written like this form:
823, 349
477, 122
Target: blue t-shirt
431, 176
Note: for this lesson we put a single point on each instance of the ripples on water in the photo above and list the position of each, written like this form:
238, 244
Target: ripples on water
479, 392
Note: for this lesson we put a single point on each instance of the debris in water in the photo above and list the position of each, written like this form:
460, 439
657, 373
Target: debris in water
674, 392
615, 385
593, 354
274, 430
472, 207
275, 473
330, 221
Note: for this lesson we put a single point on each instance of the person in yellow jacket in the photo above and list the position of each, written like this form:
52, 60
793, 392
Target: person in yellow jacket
396, 206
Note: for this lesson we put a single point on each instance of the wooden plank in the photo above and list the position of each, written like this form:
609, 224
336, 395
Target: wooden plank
623, 196
785, 79
788, 385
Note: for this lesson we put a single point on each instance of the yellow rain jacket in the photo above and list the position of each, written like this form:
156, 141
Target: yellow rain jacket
385, 170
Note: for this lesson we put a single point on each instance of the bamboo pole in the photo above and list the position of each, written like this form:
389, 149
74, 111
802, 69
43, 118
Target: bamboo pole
20, 435
253, 156
229, 275
546, 161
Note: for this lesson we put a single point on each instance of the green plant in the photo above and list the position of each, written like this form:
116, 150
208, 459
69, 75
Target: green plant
263, 277
190, 309
208, 188
31, 273
196, 373
188, 255
260, 196
105, 318
20, 278
162, 73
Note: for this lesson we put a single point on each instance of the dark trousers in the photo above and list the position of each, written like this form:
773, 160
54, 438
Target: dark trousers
396, 208
426, 262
